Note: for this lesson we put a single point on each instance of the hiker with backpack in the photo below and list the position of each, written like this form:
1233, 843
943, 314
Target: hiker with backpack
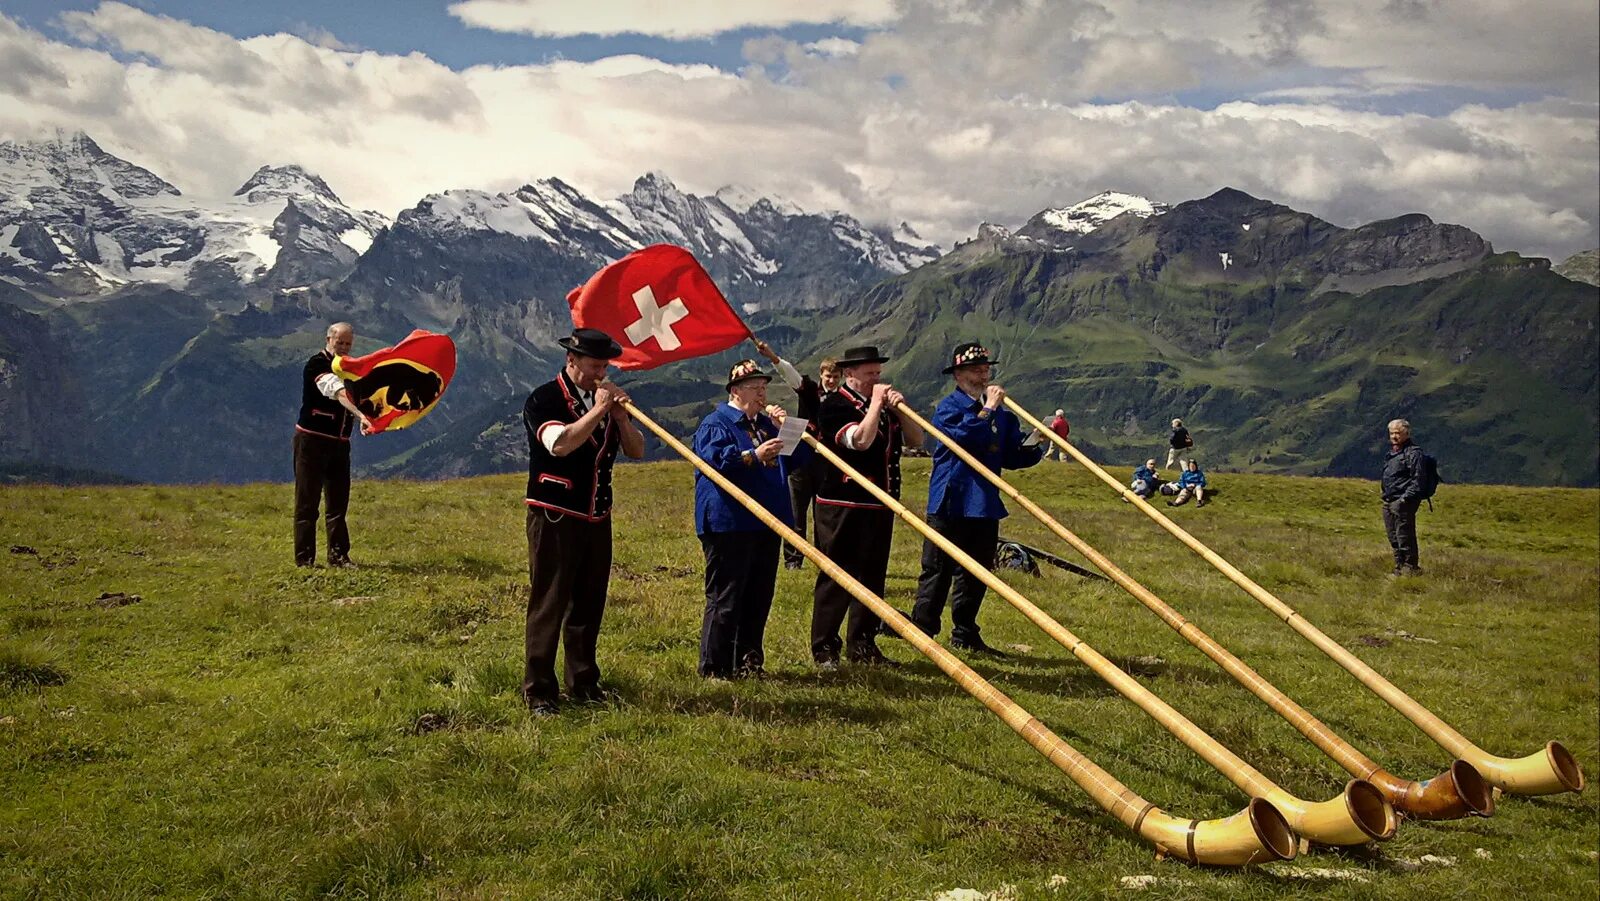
1409, 478
1180, 442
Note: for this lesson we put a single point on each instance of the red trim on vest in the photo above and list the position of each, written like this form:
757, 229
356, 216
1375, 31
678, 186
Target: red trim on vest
851, 504
583, 516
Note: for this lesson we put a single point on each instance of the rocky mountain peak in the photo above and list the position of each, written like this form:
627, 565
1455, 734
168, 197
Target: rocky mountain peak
71, 163
270, 182
1583, 266
655, 186
1060, 226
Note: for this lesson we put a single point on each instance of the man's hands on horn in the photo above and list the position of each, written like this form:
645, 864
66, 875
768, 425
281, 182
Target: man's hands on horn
994, 396
613, 400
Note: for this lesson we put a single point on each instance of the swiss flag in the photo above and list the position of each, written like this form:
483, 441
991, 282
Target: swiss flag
660, 305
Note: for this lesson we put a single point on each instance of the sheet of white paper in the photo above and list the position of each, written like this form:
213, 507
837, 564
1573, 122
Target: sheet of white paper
789, 433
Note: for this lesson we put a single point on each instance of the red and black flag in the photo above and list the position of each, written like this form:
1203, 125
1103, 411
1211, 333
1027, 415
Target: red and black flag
399, 385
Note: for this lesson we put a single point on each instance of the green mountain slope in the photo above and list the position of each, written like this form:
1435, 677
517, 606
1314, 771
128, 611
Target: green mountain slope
1272, 361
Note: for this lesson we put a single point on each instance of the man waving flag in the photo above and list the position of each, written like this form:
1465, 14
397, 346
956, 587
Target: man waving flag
660, 306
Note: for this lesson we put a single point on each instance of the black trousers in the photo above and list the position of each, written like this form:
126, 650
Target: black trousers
1401, 527
857, 539
741, 571
321, 467
978, 538
802, 491
569, 570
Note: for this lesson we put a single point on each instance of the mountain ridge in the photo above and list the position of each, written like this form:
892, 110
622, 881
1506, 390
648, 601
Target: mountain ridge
1279, 334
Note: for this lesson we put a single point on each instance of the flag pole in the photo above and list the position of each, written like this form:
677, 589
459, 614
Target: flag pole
1456, 793
1261, 834
1541, 773
1356, 816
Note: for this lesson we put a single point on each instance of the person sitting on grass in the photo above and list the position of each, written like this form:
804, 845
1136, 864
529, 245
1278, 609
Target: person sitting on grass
1191, 484
1145, 481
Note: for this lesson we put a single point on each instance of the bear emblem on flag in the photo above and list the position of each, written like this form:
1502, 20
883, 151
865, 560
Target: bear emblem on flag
397, 386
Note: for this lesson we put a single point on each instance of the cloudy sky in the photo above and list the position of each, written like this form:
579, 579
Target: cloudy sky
943, 113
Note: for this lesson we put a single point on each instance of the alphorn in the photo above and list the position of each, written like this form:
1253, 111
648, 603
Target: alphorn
1541, 773
1356, 816
1257, 834
1457, 792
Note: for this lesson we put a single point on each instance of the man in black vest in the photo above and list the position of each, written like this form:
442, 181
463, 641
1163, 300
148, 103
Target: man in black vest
322, 451
575, 425
852, 527
803, 480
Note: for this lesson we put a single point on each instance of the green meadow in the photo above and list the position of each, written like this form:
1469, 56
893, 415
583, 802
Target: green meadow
183, 713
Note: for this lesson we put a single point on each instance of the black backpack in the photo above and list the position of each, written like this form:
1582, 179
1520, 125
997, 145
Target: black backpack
1427, 476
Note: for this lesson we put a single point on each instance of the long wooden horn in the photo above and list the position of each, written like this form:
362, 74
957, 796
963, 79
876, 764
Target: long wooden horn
1457, 792
1542, 773
1256, 834
1358, 815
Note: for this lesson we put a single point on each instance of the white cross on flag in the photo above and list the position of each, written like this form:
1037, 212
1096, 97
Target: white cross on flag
660, 305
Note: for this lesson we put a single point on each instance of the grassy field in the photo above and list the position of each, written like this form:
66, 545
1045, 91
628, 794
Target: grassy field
249, 729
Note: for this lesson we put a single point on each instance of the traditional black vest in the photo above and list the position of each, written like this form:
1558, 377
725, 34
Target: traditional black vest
322, 415
880, 461
578, 484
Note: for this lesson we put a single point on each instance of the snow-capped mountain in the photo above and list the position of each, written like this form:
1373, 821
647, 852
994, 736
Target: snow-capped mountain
759, 250
76, 221
1058, 226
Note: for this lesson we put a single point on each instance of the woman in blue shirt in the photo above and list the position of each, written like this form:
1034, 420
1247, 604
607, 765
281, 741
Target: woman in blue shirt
1191, 484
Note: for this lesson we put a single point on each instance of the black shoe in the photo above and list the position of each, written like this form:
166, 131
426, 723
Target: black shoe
1397, 571
871, 657
592, 694
976, 646
543, 709
795, 564
827, 664
342, 563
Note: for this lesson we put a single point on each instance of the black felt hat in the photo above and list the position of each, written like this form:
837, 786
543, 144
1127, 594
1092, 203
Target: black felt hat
744, 371
856, 356
590, 342
968, 354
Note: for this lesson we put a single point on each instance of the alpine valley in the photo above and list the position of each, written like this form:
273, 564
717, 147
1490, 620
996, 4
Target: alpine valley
150, 336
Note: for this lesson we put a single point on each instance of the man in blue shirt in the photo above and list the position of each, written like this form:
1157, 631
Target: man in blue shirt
740, 440
1145, 482
962, 505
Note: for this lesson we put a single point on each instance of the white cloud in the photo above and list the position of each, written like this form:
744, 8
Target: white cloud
965, 110
680, 19
834, 47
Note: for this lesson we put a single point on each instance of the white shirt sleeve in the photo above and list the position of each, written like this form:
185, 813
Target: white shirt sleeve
330, 385
791, 375
850, 436
549, 435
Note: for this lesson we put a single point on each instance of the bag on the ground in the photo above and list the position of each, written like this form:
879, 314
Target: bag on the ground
1011, 555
